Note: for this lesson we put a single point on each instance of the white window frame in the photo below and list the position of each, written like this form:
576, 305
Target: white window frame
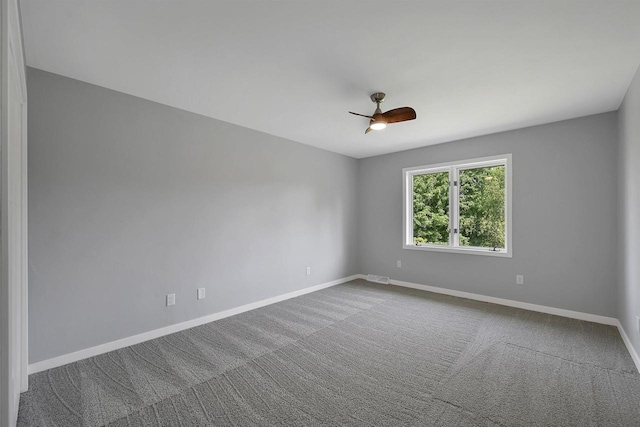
454, 169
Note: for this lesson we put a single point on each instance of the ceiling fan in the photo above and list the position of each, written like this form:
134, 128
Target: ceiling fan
380, 120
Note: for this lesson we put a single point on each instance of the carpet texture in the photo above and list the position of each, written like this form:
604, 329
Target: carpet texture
355, 354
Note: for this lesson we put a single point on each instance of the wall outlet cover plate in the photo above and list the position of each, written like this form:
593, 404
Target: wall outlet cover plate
171, 299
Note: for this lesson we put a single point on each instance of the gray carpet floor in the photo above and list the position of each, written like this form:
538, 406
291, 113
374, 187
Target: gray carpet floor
355, 354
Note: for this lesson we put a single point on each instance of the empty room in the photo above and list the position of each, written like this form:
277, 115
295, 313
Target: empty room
296, 213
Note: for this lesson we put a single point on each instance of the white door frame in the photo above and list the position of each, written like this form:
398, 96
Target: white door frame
13, 215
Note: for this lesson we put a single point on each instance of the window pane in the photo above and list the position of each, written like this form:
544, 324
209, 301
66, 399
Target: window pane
482, 221
431, 208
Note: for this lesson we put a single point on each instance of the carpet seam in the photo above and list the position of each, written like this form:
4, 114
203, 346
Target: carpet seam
574, 362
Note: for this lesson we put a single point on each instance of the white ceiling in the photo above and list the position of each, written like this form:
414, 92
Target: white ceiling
294, 68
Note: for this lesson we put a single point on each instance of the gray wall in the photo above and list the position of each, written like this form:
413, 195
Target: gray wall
564, 217
629, 293
130, 200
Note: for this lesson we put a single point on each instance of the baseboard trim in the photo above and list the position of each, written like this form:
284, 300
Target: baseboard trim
156, 333
511, 303
627, 342
611, 321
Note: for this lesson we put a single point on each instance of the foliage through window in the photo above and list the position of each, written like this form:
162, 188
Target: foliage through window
459, 207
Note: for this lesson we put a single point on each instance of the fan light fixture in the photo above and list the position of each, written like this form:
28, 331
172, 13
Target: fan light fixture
380, 120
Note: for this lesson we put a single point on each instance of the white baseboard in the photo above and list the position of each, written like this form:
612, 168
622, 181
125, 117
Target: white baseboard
627, 342
511, 303
156, 333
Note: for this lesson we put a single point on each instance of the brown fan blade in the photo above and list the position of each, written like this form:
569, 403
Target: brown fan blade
358, 114
367, 131
399, 115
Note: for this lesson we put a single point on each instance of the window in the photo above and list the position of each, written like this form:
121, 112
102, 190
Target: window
462, 207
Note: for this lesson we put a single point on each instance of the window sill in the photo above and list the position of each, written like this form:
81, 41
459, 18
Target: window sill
470, 251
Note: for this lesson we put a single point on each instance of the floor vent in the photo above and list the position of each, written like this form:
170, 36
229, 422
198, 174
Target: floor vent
378, 279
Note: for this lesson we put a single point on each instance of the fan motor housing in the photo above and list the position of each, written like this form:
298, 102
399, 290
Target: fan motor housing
377, 97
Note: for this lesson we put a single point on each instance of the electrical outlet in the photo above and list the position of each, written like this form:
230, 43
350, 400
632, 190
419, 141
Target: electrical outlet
171, 299
399, 264
201, 293
308, 271
638, 324
519, 279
